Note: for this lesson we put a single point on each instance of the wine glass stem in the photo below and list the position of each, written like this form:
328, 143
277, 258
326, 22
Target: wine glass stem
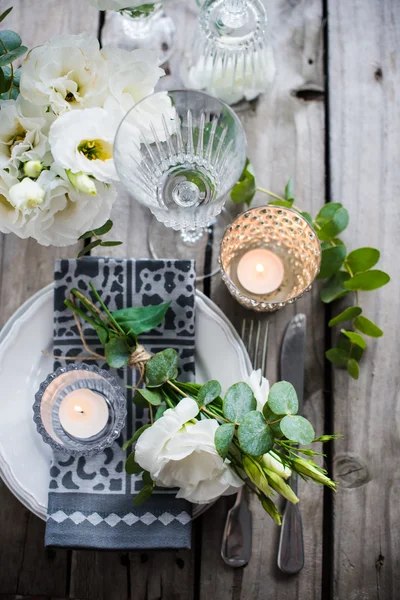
137, 24
234, 13
191, 236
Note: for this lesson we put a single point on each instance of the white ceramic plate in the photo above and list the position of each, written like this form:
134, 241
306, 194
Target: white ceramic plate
24, 458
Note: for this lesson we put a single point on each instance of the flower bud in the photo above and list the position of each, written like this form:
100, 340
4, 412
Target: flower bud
308, 468
82, 182
26, 195
255, 473
33, 168
271, 509
280, 486
273, 462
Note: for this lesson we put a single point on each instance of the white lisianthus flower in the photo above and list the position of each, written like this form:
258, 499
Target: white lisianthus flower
67, 72
179, 452
273, 462
26, 195
260, 387
21, 137
116, 4
33, 168
82, 140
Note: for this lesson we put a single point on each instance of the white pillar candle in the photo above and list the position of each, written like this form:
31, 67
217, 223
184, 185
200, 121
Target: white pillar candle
83, 413
260, 271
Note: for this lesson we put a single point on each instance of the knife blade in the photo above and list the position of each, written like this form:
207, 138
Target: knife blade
291, 545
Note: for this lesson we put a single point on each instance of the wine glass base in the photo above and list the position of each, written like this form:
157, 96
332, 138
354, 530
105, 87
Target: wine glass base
120, 31
165, 242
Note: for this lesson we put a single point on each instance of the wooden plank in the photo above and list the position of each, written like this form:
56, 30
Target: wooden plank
364, 140
26, 567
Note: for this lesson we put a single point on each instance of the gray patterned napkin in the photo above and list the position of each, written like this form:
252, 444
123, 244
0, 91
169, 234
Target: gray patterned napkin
91, 499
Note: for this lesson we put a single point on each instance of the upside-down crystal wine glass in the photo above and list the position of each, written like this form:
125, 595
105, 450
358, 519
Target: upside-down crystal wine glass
143, 26
180, 153
231, 55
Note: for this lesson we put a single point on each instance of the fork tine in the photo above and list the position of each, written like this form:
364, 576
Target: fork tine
255, 362
250, 340
265, 352
244, 332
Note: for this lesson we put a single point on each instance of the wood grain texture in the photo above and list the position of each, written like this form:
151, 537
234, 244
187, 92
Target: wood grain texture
364, 141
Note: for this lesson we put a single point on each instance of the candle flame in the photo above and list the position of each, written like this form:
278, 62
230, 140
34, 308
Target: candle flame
260, 268
79, 409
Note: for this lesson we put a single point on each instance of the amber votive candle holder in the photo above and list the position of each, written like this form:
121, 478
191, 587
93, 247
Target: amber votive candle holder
270, 256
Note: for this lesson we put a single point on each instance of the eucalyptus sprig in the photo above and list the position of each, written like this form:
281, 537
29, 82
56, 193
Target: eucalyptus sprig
97, 233
344, 273
11, 48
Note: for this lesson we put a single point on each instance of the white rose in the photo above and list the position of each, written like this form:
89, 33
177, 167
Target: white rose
21, 138
273, 462
260, 387
26, 195
116, 4
180, 452
82, 140
67, 72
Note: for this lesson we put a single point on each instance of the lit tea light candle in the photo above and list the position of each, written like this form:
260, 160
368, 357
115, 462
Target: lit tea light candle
260, 271
83, 413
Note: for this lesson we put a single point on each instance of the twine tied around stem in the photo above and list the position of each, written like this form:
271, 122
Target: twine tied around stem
138, 360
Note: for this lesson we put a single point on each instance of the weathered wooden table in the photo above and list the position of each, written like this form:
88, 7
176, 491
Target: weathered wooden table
332, 119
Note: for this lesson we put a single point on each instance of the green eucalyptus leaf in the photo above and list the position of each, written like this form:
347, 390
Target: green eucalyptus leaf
271, 417
5, 13
209, 392
160, 411
282, 399
352, 350
10, 40
332, 260
139, 400
355, 338
9, 57
140, 319
135, 437
334, 288
337, 356
362, 259
117, 352
254, 434
131, 466
245, 189
308, 218
332, 219
367, 327
161, 367
352, 368
151, 396
367, 281
4, 85
289, 190
297, 429
239, 400
347, 315
143, 495
223, 438
102, 334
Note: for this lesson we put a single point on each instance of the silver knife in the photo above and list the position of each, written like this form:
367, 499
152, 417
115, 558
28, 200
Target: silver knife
291, 545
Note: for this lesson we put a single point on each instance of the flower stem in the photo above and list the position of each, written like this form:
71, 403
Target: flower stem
177, 389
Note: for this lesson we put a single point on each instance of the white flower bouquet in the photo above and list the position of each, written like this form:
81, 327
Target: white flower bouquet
58, 117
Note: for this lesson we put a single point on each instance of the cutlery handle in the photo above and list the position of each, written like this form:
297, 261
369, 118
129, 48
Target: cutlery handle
291, 545
237, 538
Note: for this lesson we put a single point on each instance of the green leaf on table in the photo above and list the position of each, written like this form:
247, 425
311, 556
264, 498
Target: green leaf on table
9, 57
337, 356
283, 203
367, 281
362, 259
88, 248
100, 231
102, 334
208, 392
5, 13
352, 368
355, 338
245, 188
10, 79
143, 495
334, 288
332, 219
239, 400
117, 352
254, 434
161, 367
131, 466
10, 40
347, 315
297, 429
110, 244
271, 419
282, 399
223, 438
135, 437
289, 190
140, 319
332, 260
367, 327
4, 86
352, 350
147, 480
160, 411
150, 396
308, 218
331, 243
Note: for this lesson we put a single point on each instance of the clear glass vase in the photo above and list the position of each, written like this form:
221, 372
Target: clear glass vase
180, 153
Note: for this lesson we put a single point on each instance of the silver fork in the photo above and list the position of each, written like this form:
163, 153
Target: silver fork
237, 538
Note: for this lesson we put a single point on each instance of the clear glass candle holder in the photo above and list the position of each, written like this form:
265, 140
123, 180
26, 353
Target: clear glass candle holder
109, 409
292, 246
231, 55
